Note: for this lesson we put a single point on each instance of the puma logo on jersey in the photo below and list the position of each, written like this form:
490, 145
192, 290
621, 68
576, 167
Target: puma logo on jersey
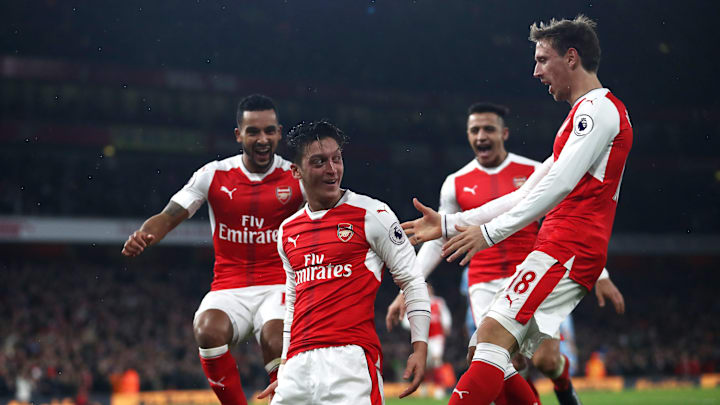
293, 240
217, 383
460, 393
383, 209
470, 190
509, 299
229, 192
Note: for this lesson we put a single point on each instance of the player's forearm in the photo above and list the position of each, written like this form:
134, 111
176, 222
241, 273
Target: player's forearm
160, 225
429, 257
417, 306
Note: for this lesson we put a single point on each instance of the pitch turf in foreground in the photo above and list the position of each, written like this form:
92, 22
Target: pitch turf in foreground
684, 396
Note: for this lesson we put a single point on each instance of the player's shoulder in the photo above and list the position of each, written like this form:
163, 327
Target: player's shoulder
282, 163
364, 201
228, 163
522, 160
597, 108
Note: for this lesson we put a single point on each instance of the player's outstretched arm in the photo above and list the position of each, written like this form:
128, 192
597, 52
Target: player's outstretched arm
154, 229
606, 289
424, 228
415, 367
470, 241
396, 312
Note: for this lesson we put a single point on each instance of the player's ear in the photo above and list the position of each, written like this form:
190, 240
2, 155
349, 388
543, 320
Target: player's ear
506, 133
295, 170
238, 137
572, 58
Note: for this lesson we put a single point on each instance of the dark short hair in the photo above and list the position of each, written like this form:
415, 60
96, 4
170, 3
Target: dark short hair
565, 34
305, 133
255, 102
483, 107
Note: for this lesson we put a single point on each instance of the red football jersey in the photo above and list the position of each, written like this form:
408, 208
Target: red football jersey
578, 229
334, 261
246, 210
473, 186
579, 193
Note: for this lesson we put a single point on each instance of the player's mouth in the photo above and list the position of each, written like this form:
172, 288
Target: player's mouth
330, 182
263, 152
483, 149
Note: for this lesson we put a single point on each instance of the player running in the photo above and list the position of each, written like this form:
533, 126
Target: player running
334, 251
576, 189
248, 196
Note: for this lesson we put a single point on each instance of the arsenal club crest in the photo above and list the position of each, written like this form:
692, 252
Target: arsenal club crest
345, 232
519, 181
283, 194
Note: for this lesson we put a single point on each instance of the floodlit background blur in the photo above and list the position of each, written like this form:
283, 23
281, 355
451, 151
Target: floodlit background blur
107, 108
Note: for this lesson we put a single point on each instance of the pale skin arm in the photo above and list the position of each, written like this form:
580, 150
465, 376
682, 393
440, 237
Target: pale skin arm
154, 229
415, 367
606, 289
396, 312
468, 242
424, 228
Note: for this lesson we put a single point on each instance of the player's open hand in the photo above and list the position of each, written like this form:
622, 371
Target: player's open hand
468, 242
605, 288
136, 243
269, 391
415, 367
425, 228
396, 312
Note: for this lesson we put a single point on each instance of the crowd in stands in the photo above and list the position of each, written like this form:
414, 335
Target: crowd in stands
77, 322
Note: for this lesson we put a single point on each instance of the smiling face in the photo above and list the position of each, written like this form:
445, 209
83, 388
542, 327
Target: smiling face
259, 134
553, 70
321, 172
487, 135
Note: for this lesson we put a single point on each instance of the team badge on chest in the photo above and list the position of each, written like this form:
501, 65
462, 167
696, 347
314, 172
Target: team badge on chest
519, 181
345, 231
283, 194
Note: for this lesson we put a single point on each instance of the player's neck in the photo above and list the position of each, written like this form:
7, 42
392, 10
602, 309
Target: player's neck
253, 168
495, 163
321, 204
585, 83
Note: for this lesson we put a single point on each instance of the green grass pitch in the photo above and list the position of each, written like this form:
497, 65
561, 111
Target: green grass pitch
684, 396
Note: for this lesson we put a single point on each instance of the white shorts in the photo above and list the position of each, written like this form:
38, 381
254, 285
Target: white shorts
481, 295
248, 308
536, 300
341, 375
436, 349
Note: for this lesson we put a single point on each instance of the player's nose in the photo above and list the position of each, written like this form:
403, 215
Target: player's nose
537, 71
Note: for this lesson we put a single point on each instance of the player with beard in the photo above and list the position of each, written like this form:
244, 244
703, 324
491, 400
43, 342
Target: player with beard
248, 196
576, 189
334, 252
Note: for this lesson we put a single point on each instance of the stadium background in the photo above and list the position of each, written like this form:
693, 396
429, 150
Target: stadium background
107, 108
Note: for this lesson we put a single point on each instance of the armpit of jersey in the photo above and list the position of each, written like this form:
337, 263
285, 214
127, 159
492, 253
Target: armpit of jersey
195, 192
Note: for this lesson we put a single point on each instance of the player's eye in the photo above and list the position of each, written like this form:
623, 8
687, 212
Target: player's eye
252, 131
489, 129
271, 130
474, 130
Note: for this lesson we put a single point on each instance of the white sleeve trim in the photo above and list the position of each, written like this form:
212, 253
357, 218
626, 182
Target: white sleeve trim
195, 192
389, 242
604, 275
289, 295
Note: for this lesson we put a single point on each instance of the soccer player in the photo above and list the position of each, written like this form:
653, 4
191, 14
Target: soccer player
576, 189
492, 173
334, 251
248, 196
